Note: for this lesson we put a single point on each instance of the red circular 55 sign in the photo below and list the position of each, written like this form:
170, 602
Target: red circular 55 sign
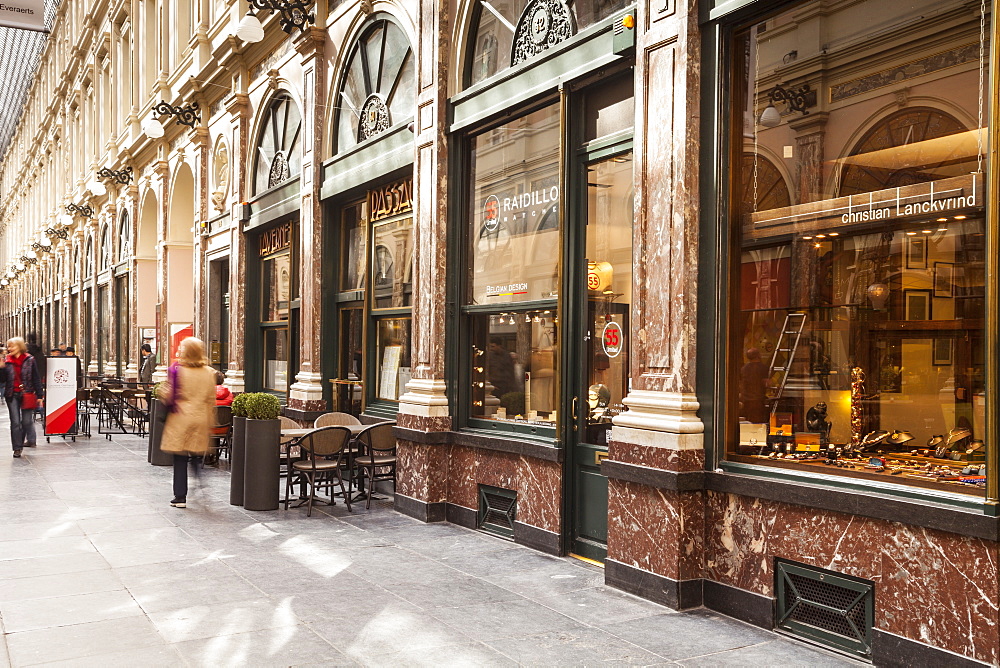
613, 339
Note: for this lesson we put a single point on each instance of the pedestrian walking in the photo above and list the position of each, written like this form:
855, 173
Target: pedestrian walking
147, 364
189, 395
23, 392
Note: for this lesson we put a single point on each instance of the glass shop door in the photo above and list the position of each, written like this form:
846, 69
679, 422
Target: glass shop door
599, 344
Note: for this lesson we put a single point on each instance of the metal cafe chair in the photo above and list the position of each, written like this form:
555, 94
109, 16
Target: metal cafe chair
377, 458
324, 451
222, 431
335, 419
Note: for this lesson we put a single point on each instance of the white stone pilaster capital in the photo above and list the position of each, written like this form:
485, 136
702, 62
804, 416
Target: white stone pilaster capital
426, 397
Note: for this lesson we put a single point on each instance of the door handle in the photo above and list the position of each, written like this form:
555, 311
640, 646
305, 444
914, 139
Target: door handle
573, 412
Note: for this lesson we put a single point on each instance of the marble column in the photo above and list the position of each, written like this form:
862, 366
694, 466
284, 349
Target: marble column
306, 393
202, 143
161, 185
657, 531
423, 468
237, 105
132, 206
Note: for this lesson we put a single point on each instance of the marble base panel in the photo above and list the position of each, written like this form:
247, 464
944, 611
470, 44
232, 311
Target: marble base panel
307, 405
420, 510
422, 471
932, 587
538, 483
423, 423
666, 459
656, 530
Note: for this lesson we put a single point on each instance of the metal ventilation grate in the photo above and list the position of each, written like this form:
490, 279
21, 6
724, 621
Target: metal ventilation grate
497, 510
829, 608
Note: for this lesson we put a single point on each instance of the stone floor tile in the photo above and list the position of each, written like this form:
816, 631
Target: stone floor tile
45, 547
41, 613
691, 634
600, 605
392, 629
197, 621
457, 591
773, 653
65, 584
35, 530
283, 646
507, 619
97, 525
40, 566
457, 656
580, 647
64, 643
161, 656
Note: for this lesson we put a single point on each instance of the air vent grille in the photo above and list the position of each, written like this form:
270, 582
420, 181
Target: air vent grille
830, 608
497, 510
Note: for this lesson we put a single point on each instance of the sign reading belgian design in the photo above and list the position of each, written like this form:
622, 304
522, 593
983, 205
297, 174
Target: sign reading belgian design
23, 14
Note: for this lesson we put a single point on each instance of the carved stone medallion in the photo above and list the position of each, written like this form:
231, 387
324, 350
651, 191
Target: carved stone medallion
279, 170
374, 117
543, 24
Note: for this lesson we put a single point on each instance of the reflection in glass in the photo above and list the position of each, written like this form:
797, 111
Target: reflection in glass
353, 243
514, 221
859, 317
392, 264
276, 287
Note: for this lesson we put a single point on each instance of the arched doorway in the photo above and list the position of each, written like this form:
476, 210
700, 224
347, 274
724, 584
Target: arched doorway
179, 298
145, 272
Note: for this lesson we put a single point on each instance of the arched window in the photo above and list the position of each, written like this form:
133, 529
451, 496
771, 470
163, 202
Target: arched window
377, 90
279, 145
124, 237
88, 257
871, 166
764, 187
510, 32
105, 248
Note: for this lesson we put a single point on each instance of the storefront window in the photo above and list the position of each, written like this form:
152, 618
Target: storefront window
276, 288
392, 264
276, 359
514, 267
508, 32
353, 244
393, 372
858, 319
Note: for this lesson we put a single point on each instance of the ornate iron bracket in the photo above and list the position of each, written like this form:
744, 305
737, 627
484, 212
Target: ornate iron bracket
83, 210
123, 177
185, 115
58, 232
294, 13
798, 99
28, 260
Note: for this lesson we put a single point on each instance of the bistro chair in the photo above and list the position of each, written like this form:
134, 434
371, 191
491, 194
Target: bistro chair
377, 458
322, 465
222, 431
335, 419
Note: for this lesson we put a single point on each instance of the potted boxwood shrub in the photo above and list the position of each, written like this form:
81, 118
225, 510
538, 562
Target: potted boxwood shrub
262, 459
157, 417
237, 450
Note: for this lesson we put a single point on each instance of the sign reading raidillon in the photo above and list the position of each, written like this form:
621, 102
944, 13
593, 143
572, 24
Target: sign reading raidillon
23, 14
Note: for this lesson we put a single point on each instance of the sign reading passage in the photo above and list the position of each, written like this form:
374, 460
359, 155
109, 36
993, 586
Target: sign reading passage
613, 339
60, 395
23, 14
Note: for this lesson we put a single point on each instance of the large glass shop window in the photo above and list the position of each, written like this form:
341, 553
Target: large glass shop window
514, 250
277, 294
858, 335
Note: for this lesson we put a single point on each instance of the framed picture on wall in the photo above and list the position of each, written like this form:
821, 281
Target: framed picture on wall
941, 352
916, 252
917, 304
944, 279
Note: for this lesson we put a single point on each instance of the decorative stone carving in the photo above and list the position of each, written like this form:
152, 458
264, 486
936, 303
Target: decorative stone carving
374, 117
543, 24
220, 172
280, 171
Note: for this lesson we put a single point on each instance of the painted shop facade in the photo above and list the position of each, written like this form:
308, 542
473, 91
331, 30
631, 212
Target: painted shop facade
702, 292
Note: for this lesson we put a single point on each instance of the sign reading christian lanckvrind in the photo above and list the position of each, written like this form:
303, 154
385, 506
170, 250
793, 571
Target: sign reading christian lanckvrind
23, 14
60, 395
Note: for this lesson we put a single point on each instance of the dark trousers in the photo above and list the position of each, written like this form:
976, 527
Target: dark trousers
22, 423
180, 474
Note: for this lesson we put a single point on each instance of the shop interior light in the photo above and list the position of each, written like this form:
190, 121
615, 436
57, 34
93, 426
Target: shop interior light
821, 236
942, 229
834, 234
960, 217
942, 220
910, 234
249, 29
807, 238
926, 231
152, 128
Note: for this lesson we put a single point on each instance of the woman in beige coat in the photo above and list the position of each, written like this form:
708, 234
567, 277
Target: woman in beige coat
189, 395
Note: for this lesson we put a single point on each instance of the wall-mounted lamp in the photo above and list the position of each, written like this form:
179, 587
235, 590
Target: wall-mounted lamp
122, 177
96, 188
294, 14
798, 99
58, 231
83, 210
29, 258
184, 116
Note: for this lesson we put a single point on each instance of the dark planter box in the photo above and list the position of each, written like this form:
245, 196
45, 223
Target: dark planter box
157, 457
262, 464
237, 461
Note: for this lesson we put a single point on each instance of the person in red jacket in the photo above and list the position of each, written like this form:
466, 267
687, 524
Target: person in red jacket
21, 377
223, 395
